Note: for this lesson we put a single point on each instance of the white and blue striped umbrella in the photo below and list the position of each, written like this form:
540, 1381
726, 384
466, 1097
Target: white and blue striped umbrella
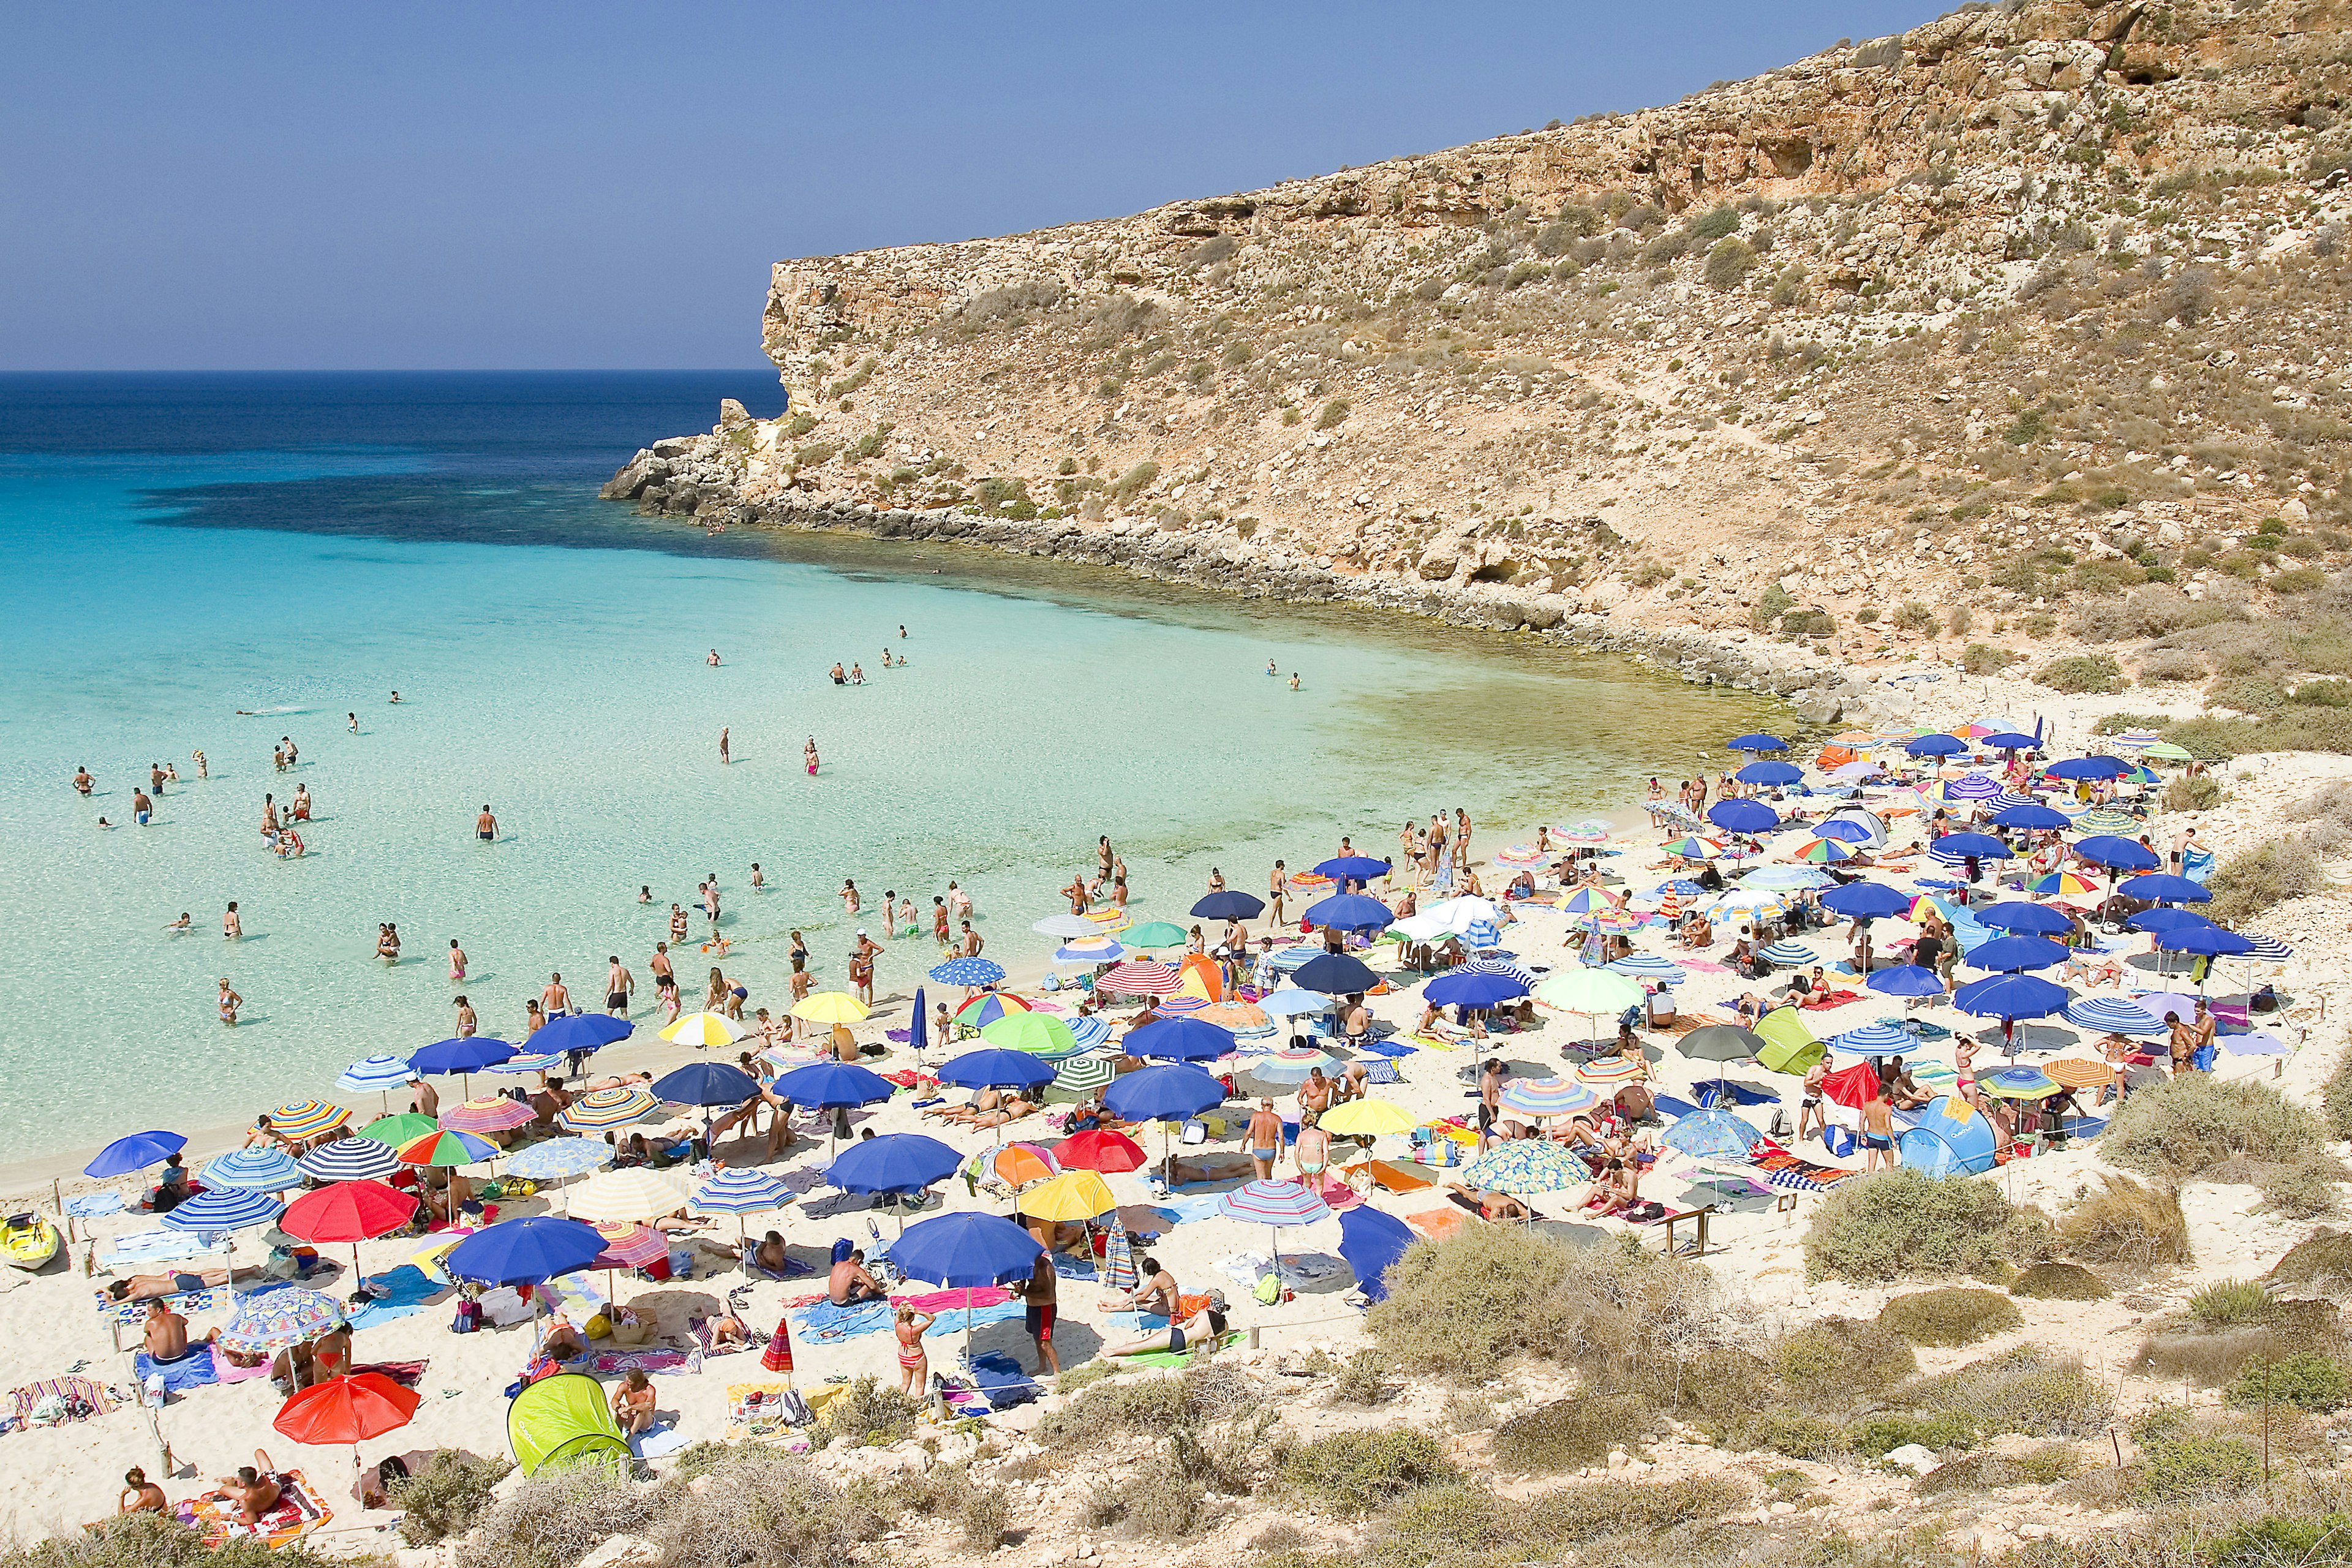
2267, 949
219, 1209
1482, 934
1503, 967
1972, 786
1786, 878
1649, 966
267, 1169
1089, 1032
1788, 952
349, 1160
545, 1062
380, 1073
2116, 1015
560, 1157
2009, 798
1874, 1040
741, 1191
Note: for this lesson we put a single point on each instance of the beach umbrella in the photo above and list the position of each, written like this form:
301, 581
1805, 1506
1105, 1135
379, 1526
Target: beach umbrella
2210, 941
2010, 997
135, 1153
965, 1251
1972, 787
381, 1073
2032, 816
918, 1027
1971, 846
1587, 902
739, 1192
2024, 919
2078, 1072
1455, 989
1072, 1196
349, 1160
1353, 869
1163, 1094
1236, 1018
558, 1159
2105, 819
1846, 830
353, 1211
528, 1251
634, 1195
1287, 1067
1067, 925
1874, 1040
1521, 856
982, 1011
445, 1149
1038, 1034
2087, 768
2115, 1015
1866, 901
1769, 774
1104, 1151
2069, 884
394, 1131
1711, 1135
1590, 830
1872, 823
581, 1032
1155, 934
2164, 916
1364, 1119
1275, 1204
1018, 1164
1608, 1073
2017, 1083
2266, 948
1935, 745
464, 1055
1141, 979
1649, 966
1720, 1043
1542, 1097
824, 1085
705, 1084
629, 1246
1179, 1040
2175, 1003
1350, 911
1906, 980
1090, 950
1743, 816
831, 1008
1787, 954
1693, 848
2013, 953
1290, 1002
276, 1320
1228, 905
1083, 1075
971, 972
600, 1109
521, 1067
1823, 851
217, 1210
352, 1409
496, 1114
2163, 890
266, 1168
892, 1163
1525, 1166
2115, 853
1594, 993
1756, 742
1335, 975
995, 1069
1371, 1242
305, 1118
2011, 741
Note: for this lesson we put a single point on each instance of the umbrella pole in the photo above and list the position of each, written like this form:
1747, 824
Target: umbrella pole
967, 1327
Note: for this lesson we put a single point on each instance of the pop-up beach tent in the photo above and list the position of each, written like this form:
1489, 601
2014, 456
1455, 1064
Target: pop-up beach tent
561, 1420
1789, 1047
1951, 1138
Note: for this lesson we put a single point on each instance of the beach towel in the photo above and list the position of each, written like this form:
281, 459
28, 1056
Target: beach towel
1823, 999
1188, 1354
756, 1407
1782, 1169
78, 1398
1303, 1269
607, 1363
1393, 1046
130, 1314
193, 1370
1189, 1207
130, 1252
1187, 1304
1068, 1267
228, 1371
1389, 1177
377, 1316
936, 1302
1118, 1270
407, 1373
93, 1205
657, 1442
998, 1379
824, 1323
955, 1321
300, 1511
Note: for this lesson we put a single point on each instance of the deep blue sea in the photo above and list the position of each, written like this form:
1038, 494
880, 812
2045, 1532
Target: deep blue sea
212, 562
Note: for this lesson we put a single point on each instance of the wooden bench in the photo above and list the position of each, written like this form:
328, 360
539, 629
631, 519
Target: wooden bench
1698, 1217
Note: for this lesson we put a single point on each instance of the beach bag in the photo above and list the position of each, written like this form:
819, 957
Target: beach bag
1269, 1290
468, 1319
1195, 1133
596, 1327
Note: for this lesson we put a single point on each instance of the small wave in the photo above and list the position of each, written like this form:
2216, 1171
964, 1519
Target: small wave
271, 712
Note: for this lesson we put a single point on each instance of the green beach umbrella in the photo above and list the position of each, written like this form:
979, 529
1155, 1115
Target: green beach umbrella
395, 1130
1038, 1033
1154, 933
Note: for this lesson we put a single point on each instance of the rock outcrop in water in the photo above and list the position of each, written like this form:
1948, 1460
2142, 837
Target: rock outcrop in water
2033, 303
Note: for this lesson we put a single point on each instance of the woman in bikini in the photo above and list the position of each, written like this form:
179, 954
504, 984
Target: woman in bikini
1175, 1336
914, 1365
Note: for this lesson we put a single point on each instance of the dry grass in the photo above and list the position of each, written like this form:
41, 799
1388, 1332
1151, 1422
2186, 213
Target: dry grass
763, 1511
1567, 1434
1902, 1225
2040, 1467
154, 1541
2027, 1390
556, 1518
2186, 1126
2127, 1223
1949, 1317
2060, 1282
1355, 1472
443, 1499
1839, 1365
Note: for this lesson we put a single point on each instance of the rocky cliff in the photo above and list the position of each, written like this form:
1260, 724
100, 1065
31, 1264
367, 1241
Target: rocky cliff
1910, 346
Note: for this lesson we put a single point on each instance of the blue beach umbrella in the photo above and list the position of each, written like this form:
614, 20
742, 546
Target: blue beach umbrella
135, 1153
1335, 975
1743, 816
2010, 741
1352, 868
2115, 853
528, 1251
2008, 996
1972, 787
2022, 919
2088, 768
893, 1162
965, 1250
1451, 990
577, 1032
1874, 1040
351, 1160
1371, 1242
824, 1085
1655, 966
707, 1084
1232, 904
1350, 911
267, 1169
218, 1209
1180, 1039
470, 1053
995, 1069
1906, 980
2012, 954
1711, 1135
1934, 746
971, 972
1982, 845
2033, 816
2210, 941
2164, 916
1866, 901
1290, 1002
1756, 742
1088, 1032
1163, 1094
2116, 1014
1844, 829
1769, 774
558, 1158
2160, 889
2267, 949
918, 1027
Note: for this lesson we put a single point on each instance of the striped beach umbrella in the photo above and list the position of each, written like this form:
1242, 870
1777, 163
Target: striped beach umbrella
522, 1065
1289, 1067
629, 1246
445, 1149
1649, 966
1141, 978
1756, 903
2116, 1014
1692, 847
601, 1109
1609, 922
982, 1011
1502, 966
631, 1196
973, 971
349, 1159
2009, 800
2072, 884
1090, 950
306, 1117
1972, 786
1278, 1204
703, 1029
1586, 900
558, 1158
2105, 819
1548, 1097
217, 1209
1525, 1166
2078, 1072
1823, 851
1787, 954
740, 1192
1088, 1031
1874, 1040
1085, 1074
1587, 830
2266, 948
278, 1320
382, 1074
267, 1169
494, 1114
2017, 1083
1608, 1073
1519, 857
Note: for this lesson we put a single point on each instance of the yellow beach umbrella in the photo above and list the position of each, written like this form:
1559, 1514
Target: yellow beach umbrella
702, 1029
1364, 1119
1072, 1196
831, 1008
630, 1196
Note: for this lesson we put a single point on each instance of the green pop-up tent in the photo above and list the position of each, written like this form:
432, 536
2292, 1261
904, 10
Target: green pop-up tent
1792, 1049
561, 1420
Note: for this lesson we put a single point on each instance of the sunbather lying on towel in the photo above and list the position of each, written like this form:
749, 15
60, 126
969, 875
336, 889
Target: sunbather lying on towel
147, 1287
989, 1108
1494, 1206
1176, 1336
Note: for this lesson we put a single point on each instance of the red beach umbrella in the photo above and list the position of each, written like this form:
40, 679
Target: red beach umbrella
1099, 1150
348, 1211
347, 1409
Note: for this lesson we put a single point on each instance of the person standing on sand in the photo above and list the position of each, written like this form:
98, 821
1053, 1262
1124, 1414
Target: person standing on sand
229, 1002
619, 986
1040, 1305
722, 745
1277, 885
486, 826
1264, 1140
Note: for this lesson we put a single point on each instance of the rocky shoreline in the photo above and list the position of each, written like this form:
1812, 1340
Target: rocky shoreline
686, 476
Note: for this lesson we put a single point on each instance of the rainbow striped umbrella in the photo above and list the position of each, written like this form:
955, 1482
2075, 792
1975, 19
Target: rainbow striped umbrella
1142, 978
2105, 819
306, 1117
2067, 882
1586, 900
629, 1247
601, 1109
2018, 1083
1524, 1166
267, 1169
1691, 848
494, 1114
1548, 1097
445, 1149
1608, 1072
1519, 857
1590, 830
1275, 1204
1823, 851
982, 1011
1090, 950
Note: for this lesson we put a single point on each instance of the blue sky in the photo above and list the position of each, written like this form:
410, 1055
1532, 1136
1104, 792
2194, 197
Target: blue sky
380, 185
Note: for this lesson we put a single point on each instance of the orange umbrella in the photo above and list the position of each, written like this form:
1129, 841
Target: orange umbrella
2078, 1072
1018, 1164
347, 1409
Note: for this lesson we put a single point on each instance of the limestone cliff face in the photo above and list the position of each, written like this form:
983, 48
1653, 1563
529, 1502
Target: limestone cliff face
2036, 300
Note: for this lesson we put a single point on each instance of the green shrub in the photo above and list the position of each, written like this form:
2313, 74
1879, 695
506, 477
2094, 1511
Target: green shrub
441, 1499
1727, 263
2281, 1538
1131, 483
1332, 414
2254, 881
1833, 1366
1362, 1380
1587, 1511
1984, 1472
2061, 1282
761, 1509
2082, 672
1901, 1224
1567, 1434
1797, 1435
1772, 604
1715, 223
2200, 791
2026, 1390
2306, 1380
1358, 1471
2186, 1126
1949, 1317
2126, 1222
1983, 658
157, 1541
871, 1411
2320, 1266
2229, 1301
1913, 617
559, 1516
1874, 1437
2187, 1470
1206, 1392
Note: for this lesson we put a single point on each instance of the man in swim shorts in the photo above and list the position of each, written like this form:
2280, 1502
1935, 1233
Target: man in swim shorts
1040, 1305
1264, 1140
486, 826
619, 984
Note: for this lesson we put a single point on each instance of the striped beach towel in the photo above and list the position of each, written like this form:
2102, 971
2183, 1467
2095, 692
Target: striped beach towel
1782, 1169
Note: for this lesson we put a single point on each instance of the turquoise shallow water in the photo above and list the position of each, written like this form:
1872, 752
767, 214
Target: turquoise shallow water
163, 567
